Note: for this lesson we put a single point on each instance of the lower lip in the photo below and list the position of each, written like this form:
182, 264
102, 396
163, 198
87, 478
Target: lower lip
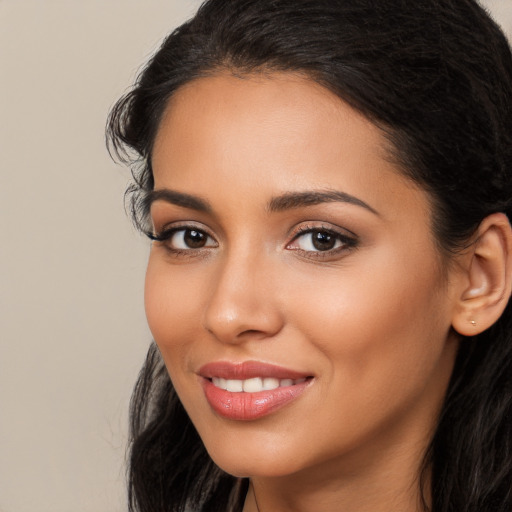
250, 406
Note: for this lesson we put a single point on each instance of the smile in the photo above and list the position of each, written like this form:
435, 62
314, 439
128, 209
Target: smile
254, 385
250, 390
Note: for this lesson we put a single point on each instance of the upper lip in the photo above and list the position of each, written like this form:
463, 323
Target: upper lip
248, 370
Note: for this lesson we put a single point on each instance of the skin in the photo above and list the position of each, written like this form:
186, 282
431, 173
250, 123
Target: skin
370, 320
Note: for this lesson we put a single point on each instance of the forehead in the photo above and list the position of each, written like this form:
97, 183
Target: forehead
270, 134
266, 103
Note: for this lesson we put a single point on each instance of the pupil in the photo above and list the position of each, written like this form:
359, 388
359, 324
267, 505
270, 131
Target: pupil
194, 239
323, 241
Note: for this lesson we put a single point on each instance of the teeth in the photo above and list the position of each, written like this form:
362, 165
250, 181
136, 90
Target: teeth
219, 383
269, 383
254, 385
234, 385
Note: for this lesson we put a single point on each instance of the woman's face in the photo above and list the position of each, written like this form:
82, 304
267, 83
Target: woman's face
298, 299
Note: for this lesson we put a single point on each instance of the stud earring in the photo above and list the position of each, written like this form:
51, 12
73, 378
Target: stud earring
473, 323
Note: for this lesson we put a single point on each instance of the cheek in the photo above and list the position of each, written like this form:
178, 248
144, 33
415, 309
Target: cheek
171, 302
383, 325
156, 302
172, 305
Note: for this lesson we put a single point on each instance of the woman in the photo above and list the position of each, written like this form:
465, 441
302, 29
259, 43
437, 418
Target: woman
326, 184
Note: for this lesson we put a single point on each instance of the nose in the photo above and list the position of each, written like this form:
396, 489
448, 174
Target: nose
242, 303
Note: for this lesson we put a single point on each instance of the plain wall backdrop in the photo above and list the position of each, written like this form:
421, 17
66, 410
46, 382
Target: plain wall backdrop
73, 334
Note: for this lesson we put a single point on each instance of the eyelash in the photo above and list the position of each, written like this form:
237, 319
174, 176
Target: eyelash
167, 234
347, 242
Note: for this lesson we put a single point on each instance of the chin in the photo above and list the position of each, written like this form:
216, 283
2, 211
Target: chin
252, 461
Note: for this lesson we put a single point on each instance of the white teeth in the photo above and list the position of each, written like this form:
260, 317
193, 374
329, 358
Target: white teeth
219, 382
269, 383
254, 385
234, 385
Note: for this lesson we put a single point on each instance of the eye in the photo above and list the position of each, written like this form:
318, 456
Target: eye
184, 239
189, 239
321, 240
317, 241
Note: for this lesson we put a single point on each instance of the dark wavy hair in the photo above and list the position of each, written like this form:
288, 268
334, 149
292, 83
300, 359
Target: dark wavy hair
436, 77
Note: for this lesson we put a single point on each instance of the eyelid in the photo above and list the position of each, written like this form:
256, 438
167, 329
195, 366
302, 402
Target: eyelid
348, 239
309, 226
167, 230
165, 235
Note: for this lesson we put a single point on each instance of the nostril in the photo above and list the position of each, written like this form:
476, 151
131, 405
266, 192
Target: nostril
250, 332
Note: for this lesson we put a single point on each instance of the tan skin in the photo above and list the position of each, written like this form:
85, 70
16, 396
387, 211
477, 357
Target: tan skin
370, 314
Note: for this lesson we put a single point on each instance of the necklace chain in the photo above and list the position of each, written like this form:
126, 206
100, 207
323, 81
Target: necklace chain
255, 500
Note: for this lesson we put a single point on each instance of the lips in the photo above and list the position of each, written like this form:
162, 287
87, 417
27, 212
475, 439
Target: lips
250, 390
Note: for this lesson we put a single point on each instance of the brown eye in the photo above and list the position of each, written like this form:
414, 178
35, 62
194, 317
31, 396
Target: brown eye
194, 239
323, 241
318, 240
184, 239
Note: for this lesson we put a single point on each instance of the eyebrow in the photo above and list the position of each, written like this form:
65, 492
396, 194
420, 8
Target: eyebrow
178, 199
293, 200
288, 201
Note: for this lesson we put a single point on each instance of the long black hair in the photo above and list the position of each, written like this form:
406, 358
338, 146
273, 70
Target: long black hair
436, 77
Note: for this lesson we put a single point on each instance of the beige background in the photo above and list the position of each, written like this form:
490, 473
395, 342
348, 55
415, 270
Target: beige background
73, 332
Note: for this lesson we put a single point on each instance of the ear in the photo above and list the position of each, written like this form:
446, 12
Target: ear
487, 276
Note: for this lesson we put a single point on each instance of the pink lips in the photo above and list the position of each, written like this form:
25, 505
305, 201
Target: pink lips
246, 406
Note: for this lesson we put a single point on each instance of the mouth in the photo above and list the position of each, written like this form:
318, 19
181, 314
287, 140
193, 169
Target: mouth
255, 384
250, 390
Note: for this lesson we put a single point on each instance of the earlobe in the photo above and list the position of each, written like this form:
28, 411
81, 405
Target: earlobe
488, 277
